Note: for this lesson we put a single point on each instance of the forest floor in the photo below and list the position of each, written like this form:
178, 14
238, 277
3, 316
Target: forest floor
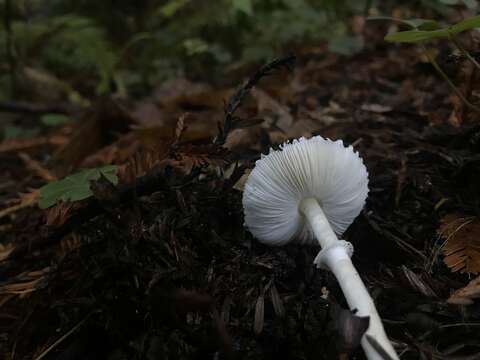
161, 267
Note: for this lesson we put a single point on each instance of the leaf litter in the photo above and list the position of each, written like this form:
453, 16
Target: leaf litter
160, 266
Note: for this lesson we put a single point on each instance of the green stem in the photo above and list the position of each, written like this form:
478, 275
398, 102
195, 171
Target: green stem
448, 81
464, 52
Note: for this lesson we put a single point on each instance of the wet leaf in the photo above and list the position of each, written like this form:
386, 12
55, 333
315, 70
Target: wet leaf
74, 187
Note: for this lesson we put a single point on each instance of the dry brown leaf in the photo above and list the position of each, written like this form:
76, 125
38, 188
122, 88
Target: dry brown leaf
270, 109
25, 283
5, 250
180, 128
139, 164
58, 214
189, 156
25, 200
465, 296
462, 243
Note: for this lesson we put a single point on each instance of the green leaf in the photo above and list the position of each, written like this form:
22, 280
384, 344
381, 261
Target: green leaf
423, 24
467, 24
412, 36
244, 6
74, 187
54, 119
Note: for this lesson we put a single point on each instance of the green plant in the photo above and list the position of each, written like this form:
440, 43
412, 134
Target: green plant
422, 30
429, 29
74, 187
91, 44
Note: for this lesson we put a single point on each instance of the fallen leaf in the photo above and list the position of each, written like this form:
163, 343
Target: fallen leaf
418, 283
277, 302
58, 214
189, 156
180, 128
462, 243
139, 164
259, 315
272, 110
25, 283
467, 294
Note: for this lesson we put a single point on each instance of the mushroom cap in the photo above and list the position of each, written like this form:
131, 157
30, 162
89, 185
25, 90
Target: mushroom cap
305, 168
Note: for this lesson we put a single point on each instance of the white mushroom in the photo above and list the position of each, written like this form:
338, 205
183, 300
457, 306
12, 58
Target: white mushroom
311, 190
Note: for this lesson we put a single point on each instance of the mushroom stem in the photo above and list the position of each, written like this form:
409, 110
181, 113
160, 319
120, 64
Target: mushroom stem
335, 257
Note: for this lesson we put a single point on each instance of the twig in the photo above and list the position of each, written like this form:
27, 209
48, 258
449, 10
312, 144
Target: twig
62, 338
36, 167
236, 99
